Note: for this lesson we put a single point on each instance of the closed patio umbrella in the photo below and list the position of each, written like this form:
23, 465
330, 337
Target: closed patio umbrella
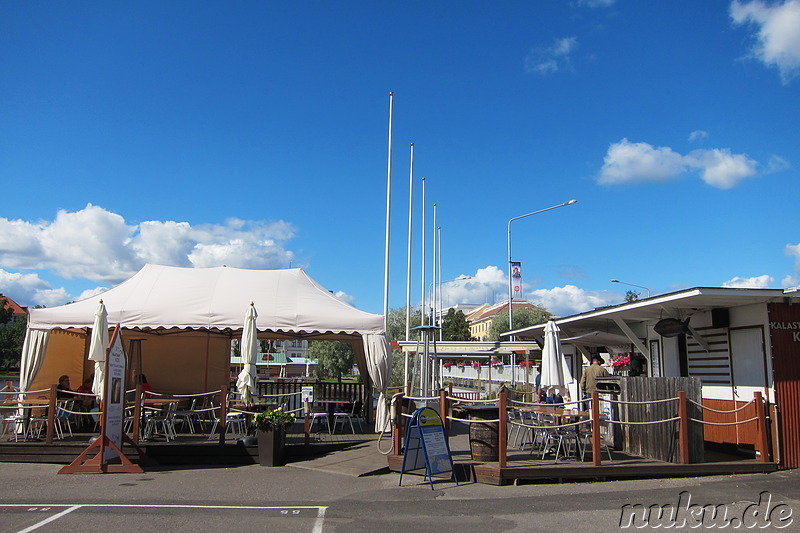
555, 373
98, 347
249, 352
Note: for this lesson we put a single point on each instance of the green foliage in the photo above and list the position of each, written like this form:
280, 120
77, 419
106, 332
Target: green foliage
270, 420
334, 358
12, 336
397, 324
397, 332
523, 318
5, 312
455, 327
632, 296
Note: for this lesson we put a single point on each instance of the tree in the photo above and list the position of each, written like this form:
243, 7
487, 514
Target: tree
455, 326
632, 296
334, 358
12, 336
523, 318
397, 324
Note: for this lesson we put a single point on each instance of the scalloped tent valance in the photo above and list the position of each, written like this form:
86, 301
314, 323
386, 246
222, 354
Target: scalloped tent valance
164, 297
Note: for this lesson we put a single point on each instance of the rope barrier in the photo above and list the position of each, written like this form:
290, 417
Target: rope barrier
742, 408
464, 421
421, 398
194, 395
550, 426
643, 423
280, 395
724, 423
665, 400
519, 402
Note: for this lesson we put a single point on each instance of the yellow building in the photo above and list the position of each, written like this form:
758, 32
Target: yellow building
480, 320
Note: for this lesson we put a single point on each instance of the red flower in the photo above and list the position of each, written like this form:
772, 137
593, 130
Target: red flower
476, 364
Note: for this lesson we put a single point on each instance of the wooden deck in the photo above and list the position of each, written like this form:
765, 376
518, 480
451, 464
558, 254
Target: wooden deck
187, 449
522, 466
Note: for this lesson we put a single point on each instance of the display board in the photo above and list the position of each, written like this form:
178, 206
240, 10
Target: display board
115, 396
426, 446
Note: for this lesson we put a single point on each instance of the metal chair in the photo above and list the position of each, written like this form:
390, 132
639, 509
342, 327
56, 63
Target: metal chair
562, 438
166, 421
316, 415
186, 416
353, 414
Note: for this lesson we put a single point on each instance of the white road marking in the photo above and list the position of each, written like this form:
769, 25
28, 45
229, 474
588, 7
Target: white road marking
50, 519
317, 528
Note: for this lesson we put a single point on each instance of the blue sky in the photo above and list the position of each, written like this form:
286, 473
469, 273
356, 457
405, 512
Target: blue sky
254, 134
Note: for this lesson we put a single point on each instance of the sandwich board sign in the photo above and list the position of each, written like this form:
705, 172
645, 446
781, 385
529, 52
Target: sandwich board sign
108, 446
426, 446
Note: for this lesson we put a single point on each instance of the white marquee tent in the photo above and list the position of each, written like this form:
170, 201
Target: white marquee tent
186, 317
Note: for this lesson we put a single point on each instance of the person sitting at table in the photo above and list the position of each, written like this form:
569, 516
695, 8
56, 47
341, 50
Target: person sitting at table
141, 378
554, 396
63, 392
85, 403
145, 385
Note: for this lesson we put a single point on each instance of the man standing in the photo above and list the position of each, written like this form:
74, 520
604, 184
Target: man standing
589, 378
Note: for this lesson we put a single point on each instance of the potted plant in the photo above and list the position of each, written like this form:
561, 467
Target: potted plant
271, 432
447, 365
621, 365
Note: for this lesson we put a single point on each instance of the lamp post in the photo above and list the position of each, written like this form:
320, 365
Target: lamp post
437, 308
632, 285
510, 318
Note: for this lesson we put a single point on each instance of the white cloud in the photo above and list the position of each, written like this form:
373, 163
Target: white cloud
721, 168
569, 299
91, 293
30, 289
553, 58
778, 33
346, 298
793, 281
627, 162
698, 135
596, 3
756, 282
99, 245
488, 284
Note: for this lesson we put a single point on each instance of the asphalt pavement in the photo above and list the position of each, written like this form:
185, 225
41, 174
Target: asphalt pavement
337, 494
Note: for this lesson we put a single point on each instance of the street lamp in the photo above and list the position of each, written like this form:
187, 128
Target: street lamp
436, 296
510, 318
632, 285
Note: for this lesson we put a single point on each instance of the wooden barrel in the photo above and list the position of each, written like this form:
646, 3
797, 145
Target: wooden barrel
484, 438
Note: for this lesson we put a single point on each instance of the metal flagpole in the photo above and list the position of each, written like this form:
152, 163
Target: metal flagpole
388, 220
424, 288
439, 278
434, 322
408, 263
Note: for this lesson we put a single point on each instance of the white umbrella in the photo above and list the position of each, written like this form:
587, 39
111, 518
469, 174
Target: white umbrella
98, 347
249, 352
555, 373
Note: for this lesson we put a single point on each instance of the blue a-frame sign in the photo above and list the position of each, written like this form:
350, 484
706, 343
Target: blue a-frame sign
426, 445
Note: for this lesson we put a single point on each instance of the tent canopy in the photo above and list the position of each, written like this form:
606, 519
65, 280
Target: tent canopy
213, 299
189, 315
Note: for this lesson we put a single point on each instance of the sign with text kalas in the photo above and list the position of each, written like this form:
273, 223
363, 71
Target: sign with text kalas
115, 394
